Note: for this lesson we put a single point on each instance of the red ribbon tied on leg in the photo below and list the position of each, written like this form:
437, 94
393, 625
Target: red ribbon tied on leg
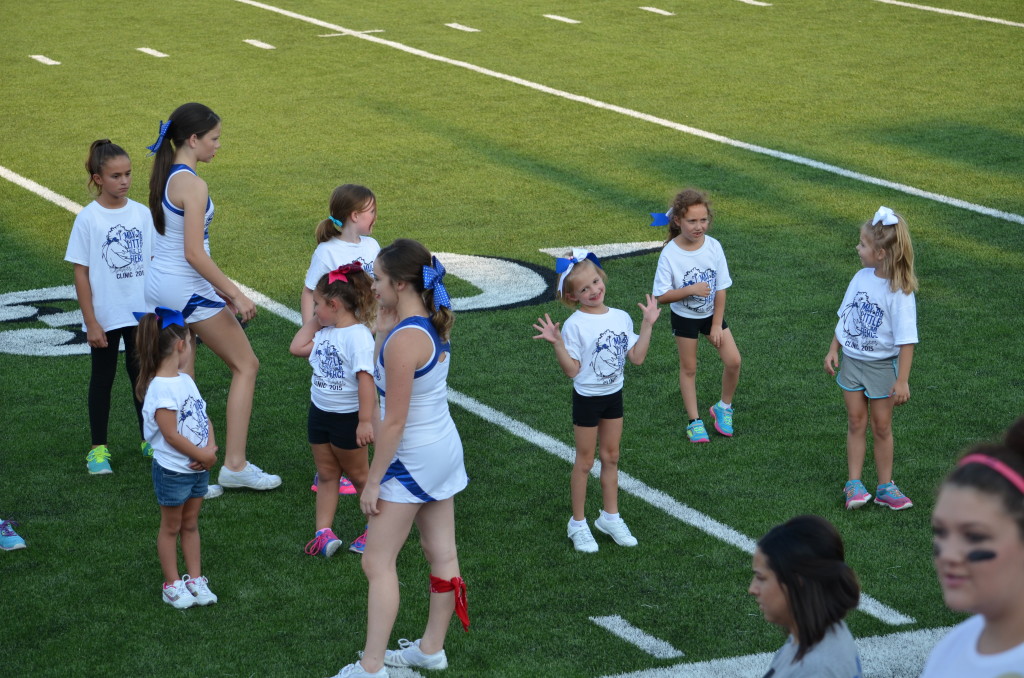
458, 585
342, 272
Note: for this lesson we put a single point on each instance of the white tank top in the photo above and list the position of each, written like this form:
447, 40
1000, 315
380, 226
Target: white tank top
169, 248
429, 419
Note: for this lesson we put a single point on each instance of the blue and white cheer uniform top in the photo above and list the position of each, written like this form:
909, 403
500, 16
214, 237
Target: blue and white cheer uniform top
428, 465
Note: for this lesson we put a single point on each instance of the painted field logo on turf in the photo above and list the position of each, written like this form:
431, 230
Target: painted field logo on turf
502, 283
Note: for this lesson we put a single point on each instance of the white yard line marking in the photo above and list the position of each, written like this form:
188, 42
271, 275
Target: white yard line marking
952, 12
655, 647
460, 27
896, 655
657, 11
151, 52
627, 483
335, 35
563, 19
756, 3
260, 44
711, 136
44, 59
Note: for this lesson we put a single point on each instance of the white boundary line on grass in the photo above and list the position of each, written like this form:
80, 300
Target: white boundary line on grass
952, 12
656, 647
627, 483
710, 136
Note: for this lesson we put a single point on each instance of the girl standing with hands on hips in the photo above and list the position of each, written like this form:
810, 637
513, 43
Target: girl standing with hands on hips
183, 450
802, 583
417, 464
978, 541
592, 349
110, 246
876, 332
692, 277
338, 343
183, 276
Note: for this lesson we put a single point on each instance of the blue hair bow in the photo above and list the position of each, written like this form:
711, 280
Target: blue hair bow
885, 216
659, 219
167, 316
337, 223
160, 139
563, 265
432, 280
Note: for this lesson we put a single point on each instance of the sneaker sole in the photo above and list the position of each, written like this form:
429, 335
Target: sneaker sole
12, 548
909, 504
243, 486
614, 538
332, 548
102, 472
715, 419
699, 440
856, 504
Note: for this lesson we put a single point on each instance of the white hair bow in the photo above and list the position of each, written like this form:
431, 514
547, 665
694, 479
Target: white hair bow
564, 265
885, 216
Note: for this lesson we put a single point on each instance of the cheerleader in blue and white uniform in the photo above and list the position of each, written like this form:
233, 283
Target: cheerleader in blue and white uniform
183, 275
418, 465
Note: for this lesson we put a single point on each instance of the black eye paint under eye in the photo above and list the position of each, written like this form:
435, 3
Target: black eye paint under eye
976, 556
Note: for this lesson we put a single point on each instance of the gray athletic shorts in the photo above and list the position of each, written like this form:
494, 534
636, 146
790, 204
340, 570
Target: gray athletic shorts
875, 377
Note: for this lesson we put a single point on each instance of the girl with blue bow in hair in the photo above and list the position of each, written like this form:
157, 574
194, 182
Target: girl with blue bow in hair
184, 449
876, 332
183, 275
592, 348
417, 465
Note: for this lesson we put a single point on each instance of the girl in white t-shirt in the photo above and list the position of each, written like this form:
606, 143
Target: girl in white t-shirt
592, 348
343, 237
692, 277
110, 246
338, 343
877, 330
978, 541
184, 449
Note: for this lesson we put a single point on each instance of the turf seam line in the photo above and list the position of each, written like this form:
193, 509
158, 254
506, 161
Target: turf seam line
710, 136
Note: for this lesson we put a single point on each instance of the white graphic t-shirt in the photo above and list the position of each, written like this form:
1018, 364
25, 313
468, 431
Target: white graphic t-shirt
337, 252
116, 246
180, 395
339, 354
678, 268
873, 320
600, 343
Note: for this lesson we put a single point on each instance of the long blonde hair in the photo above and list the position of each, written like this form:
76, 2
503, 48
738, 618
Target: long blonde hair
898, 264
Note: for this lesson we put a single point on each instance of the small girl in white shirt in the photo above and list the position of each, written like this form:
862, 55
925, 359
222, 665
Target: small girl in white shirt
592, 349
178, 428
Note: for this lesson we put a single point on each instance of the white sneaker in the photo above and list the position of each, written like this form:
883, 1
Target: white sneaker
617, 530
213, 491
200, 589
582, 539
409, 654
357, 671
177, 595
252, 477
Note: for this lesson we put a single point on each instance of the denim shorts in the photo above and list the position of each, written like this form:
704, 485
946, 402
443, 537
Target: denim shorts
174, 488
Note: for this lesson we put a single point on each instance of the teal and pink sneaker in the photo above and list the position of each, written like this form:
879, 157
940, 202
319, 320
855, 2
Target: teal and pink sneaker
723, 419
9, 539
856, 494
890, 495
359, 545
325, 543
696, 433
